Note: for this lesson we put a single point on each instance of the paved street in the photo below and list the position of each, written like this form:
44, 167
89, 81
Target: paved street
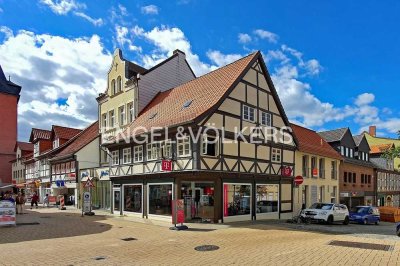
53, 237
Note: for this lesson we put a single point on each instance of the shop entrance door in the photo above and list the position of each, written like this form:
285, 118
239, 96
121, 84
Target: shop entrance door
198, 201
116, 200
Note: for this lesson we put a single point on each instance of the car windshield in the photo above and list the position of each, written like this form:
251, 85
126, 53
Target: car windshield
360, 209
321, 206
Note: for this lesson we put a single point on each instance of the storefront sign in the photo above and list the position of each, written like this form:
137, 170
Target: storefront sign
166, 165
7, 213
52, 200
178, 212
86, 202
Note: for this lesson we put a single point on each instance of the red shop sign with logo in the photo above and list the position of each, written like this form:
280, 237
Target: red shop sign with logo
166, 165
286, 171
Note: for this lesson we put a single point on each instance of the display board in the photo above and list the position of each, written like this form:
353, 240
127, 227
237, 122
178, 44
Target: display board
7, 213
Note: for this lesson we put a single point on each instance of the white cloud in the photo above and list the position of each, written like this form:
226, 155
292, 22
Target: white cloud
244, 38
95, 22
221, 59
7, 31
150, 10
63, 7
267, 35
364, 99
52, 69
123, 38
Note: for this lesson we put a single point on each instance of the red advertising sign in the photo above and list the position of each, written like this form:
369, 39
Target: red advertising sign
298, 180
166, 165
52, 199
286, 171
178, 211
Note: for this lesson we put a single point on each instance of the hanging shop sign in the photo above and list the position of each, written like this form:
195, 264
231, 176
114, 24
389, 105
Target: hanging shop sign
166, 165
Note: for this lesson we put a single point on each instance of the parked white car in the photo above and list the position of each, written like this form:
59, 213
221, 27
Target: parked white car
327, 212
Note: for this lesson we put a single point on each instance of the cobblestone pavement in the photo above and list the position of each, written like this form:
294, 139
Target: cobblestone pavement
65, 238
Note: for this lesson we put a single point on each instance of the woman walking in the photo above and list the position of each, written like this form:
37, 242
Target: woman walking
20, 200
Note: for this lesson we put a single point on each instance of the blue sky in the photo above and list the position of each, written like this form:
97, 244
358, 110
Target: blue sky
334, 63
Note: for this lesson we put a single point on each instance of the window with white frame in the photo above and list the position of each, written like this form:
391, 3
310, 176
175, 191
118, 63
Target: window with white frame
121, 111
36, 149
166, 149
131, 112
73, 166
276, 155
56, 143
104, 121
341, 150
347, 152
265, 119
183, 146
115, 157
351, 153
138, 153
111, 117
126, 155
153, 151
248, 113
209, 146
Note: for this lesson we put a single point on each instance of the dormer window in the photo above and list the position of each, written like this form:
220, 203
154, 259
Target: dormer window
56, 143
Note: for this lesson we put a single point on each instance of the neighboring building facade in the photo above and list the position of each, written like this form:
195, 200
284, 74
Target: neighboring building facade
9, 97
357, 176
22, 150
81, 151
318, 163
221, 176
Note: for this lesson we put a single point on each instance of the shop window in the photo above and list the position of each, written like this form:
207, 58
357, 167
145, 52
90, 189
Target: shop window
209, 146
160, 199
276, 155
138, 154
248, 113
153, 151
265, 119
133, 198
267, 198
115, 157
183, 146
126, 154
237, 199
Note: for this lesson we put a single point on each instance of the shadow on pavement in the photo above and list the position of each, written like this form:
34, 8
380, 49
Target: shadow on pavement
58, 224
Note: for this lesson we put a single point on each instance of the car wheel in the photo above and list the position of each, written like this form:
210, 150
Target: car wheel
330, 219
377, 222
365, 221
346, 220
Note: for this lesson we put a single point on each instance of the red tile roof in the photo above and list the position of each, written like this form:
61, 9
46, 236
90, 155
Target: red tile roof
24, 146
65, 132
381, 148
310, 142
37, 133
79, 141
166, 108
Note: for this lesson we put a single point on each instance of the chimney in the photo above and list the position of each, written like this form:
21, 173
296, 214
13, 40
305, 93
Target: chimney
177, 51
372, 131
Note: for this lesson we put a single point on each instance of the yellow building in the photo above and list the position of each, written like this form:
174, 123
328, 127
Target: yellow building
318, 163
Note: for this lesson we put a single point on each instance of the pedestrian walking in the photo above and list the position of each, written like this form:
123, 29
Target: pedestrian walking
46, 201
34, 200
20, 200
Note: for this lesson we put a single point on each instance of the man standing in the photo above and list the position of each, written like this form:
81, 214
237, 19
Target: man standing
20, 200
34, 200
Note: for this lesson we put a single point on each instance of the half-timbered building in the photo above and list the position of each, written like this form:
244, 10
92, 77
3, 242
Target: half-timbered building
221, 142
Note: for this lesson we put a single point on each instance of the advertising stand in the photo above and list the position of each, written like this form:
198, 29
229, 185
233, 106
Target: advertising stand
7, 213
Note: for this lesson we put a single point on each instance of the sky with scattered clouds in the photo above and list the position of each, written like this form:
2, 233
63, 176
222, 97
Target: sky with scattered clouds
334, 63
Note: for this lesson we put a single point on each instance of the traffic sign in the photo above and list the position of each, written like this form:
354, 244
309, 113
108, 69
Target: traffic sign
298, 180
89, 183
